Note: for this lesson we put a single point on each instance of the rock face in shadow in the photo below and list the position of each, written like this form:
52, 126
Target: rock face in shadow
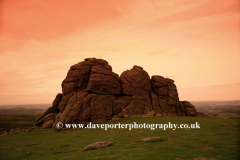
91, 92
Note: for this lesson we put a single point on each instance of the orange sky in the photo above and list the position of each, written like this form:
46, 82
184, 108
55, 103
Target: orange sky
194, 42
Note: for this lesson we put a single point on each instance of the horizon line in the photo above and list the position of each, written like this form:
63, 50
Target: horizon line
182, 100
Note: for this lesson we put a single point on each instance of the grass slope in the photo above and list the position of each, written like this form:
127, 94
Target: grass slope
217, 138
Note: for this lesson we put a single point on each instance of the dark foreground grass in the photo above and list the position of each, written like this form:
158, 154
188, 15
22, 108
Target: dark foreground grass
8, 122
217, 138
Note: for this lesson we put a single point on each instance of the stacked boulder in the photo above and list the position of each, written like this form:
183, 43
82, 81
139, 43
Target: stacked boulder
91, 92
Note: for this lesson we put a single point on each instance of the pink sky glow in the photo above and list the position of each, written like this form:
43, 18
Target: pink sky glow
194, 42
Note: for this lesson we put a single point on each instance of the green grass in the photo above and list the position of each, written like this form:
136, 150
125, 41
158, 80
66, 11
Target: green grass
228, 115
217, 138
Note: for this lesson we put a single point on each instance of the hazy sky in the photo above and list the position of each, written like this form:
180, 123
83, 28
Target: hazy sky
194, 42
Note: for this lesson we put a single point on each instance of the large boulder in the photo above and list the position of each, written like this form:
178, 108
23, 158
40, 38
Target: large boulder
78, 75
165, 91
190, 110
135, 82
91, 92
103, 82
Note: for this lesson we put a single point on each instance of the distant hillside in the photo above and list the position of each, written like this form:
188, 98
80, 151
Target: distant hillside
28, 106
225, 109
216, 103
23, 109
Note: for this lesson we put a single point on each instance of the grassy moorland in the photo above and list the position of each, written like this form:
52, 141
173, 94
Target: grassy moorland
217, 138
8, 122
220, 109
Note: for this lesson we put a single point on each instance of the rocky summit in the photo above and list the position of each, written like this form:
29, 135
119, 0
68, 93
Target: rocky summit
91, 92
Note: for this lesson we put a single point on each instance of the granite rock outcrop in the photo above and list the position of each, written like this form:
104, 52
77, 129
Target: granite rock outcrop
92, 92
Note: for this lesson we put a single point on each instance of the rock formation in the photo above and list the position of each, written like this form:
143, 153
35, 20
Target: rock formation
91, 92
151, 139
98, 145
